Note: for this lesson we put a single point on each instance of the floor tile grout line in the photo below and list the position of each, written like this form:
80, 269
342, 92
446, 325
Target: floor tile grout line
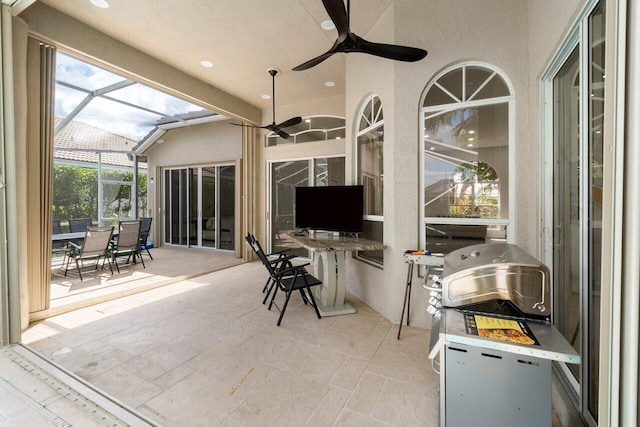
82, 390
46, 413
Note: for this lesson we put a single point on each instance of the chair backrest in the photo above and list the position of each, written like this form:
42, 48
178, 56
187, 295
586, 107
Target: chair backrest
56, 227
96, 241
77, 225
145, 229
129, 235
258, 250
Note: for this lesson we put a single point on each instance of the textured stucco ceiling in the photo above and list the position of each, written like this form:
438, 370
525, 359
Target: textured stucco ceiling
242, 38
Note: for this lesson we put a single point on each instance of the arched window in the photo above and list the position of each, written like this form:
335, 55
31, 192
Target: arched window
370, 173
312, 128
465, 139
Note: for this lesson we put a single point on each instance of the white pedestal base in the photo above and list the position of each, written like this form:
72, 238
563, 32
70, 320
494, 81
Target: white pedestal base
330, 267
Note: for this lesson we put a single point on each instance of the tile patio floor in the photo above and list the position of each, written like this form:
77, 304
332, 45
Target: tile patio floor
205, 352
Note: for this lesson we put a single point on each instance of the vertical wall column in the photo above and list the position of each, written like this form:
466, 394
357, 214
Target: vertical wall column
9, 284
249, 180
630, 283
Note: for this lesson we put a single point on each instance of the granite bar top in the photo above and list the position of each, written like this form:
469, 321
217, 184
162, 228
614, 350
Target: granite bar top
324, 242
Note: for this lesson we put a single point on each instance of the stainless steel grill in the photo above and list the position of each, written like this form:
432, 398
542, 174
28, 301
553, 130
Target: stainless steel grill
488, 277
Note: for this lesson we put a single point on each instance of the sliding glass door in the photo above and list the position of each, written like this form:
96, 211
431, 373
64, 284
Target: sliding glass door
199, 206
575, 247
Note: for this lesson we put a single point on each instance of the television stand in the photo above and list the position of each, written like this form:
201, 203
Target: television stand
329, 261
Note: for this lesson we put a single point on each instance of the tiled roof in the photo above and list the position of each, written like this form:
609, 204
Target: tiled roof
84, 136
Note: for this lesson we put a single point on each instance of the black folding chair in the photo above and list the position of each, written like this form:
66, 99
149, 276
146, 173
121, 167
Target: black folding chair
145, 230
77, 225
283, 260
288, 279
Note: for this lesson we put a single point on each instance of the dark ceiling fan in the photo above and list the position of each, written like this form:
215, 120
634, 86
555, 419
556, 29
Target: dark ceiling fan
273, 127
349, 42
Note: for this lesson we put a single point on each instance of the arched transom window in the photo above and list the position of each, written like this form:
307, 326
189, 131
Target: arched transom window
466, 135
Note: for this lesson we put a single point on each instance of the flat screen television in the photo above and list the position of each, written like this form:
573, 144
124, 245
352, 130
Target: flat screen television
333, 208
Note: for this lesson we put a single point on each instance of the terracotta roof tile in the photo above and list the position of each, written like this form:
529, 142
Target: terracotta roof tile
84, 136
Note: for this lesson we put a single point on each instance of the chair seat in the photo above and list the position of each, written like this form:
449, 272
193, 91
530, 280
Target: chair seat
285, 277
299, 281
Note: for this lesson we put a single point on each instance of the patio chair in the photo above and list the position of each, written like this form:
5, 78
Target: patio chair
77, 225
288, 280
145, 230
94, 247
128, 243
282, 261
56, 228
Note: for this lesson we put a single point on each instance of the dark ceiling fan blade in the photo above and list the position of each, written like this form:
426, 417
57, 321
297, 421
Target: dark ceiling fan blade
390, 51
291, 122
283, 134
348, 42
315, 61
245, 125
338, 14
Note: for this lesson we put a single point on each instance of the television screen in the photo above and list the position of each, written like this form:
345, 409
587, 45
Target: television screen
333, 208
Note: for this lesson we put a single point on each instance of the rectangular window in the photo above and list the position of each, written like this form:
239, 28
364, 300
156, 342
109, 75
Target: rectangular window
285, 176
370, 174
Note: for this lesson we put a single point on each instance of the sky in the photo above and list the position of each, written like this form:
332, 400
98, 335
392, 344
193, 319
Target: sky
109, 115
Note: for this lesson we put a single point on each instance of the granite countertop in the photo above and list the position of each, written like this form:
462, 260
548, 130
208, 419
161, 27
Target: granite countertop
324, 242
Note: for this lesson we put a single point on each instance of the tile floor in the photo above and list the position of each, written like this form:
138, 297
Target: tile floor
169, 264
206, 352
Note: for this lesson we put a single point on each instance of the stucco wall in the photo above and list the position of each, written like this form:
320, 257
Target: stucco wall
517, 37
195, 145
453, 31
205, 144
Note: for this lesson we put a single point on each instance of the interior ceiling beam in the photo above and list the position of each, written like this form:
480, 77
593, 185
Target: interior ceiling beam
53, 26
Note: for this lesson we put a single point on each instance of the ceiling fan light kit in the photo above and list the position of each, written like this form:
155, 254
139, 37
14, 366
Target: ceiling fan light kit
349, 42
273, 127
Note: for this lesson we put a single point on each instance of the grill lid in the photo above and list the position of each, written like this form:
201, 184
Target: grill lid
479, 273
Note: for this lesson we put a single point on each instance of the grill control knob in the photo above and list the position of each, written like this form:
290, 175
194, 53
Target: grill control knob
432, 310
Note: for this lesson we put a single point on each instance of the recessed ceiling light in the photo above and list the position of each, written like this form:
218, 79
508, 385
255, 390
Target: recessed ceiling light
327, 25
337, 137
307, 120
472, 132
469, 139
207, 64
432, 148
469, 145
100, 3
427, 136
265, 96
329, 84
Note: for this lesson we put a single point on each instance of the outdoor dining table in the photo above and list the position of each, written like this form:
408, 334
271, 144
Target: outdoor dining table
65, 237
